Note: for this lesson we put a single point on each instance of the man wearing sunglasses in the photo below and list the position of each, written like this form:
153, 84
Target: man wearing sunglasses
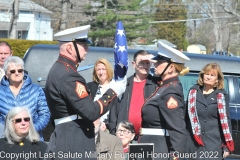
139, 87
72, 109
5, 51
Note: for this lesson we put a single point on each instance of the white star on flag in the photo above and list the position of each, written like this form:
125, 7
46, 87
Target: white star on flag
121, 32
121, 48
120, 52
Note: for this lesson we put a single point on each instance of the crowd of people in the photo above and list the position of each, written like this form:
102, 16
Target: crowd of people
101, 119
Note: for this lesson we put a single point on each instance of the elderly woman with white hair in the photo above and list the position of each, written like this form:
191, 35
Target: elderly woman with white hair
21, 137
17, 89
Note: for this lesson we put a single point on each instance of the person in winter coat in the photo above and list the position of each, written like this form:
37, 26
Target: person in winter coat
17, 89
102, 76
107, 146
207, 116
21, 140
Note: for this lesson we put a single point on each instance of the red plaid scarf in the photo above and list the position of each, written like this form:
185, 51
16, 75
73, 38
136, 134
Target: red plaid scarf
196, 128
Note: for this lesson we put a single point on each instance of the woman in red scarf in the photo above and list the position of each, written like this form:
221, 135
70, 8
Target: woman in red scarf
207, 119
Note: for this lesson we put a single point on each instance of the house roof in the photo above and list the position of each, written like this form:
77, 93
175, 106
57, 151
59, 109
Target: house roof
24, 5
21, 26
201, 47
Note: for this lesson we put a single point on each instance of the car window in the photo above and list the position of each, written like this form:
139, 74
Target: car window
238, 116
190, 79
234, 119
239, 82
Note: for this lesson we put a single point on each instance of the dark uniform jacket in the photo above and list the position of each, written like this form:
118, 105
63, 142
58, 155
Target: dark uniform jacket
92, 88
211, 130
165, 110
121, 111
29, 150
109, 147
67, 95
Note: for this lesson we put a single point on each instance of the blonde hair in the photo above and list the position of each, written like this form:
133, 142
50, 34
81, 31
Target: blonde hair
108, 66
207, 68
181, 69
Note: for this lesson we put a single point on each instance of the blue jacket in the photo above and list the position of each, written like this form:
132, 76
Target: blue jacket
30, 96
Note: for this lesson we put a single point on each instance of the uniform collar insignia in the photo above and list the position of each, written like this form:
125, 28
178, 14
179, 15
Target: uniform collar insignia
21, 144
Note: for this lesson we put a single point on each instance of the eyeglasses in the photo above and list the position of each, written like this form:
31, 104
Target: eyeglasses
19, 120
14, 71
125, 132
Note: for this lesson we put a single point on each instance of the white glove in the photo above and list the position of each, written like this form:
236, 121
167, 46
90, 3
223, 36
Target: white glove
119, 86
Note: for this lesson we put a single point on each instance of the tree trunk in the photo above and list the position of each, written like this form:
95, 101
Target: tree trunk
217, 35
13, 21
63, 22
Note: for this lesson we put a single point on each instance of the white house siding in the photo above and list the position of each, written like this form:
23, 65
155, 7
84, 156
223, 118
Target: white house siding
40, 27
39, 24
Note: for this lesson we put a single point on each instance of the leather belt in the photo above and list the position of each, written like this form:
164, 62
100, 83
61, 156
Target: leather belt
154, 131
66, 119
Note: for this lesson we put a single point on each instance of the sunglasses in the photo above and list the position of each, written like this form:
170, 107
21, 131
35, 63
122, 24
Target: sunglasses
14, 71
19, 120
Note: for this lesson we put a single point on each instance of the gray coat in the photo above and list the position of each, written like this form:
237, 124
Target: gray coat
212, 134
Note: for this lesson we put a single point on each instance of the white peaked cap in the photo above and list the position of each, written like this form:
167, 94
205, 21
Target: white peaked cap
77, 33
169, 52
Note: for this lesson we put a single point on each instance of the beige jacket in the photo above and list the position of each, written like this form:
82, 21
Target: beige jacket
109, 147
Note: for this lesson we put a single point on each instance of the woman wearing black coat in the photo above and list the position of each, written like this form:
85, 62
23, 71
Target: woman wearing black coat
21, 140
207, 119
102, 76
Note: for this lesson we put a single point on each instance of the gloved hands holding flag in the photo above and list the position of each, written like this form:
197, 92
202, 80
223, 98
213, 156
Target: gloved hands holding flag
119, 86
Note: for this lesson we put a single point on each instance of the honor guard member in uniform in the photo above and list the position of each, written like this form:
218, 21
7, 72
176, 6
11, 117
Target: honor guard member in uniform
163, 113
71, 107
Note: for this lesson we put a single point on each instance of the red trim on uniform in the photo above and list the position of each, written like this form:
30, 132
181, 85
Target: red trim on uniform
108, 100
101, 107
152, 95
68, 65
68, 58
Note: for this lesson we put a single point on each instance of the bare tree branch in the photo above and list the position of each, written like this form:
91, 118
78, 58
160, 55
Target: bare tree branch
112, 3
227, 8
203, 9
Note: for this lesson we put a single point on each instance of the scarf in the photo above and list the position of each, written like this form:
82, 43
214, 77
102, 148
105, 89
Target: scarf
196, 127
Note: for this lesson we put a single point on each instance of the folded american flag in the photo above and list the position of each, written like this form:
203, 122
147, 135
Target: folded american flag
120, 53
